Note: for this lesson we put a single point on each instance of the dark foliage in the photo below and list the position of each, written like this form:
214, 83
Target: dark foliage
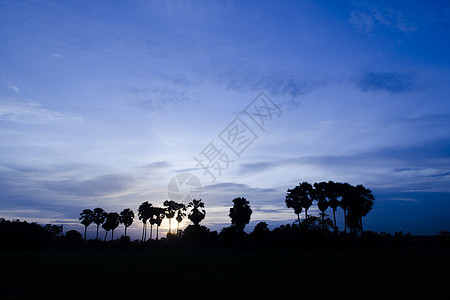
18, 234
240, 213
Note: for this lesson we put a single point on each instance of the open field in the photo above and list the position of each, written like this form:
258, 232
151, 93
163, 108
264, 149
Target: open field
388, 272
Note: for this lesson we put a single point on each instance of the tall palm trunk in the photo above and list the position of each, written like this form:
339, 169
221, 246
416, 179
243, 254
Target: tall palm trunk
345, 220
145, 232
85, 229
105, 236
151, 230
334, 218
97, 231
112, 235
298, 218
125, 231
323, 221
157, 227
142, 238
178, 228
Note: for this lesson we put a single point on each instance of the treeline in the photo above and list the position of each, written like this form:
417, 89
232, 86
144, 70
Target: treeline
16, 233
355, 202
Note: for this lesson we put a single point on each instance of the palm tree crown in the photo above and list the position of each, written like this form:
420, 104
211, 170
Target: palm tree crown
86, 218
240, 213
198, 211
126, 218
99, 217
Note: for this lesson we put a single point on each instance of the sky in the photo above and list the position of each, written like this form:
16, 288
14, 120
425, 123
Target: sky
113, 103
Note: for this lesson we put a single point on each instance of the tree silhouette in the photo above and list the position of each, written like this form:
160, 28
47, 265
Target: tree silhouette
332, 193
86, 217
345, 190
240, 213
171, 209
360, 202
198, 211
180, 215
73, 235
144, 215
260, 233
306, 197
107, 227
320, 194
159, 215
99, 217
54, 230
126, 218
293, 201
111, 223
114, 218
152, 219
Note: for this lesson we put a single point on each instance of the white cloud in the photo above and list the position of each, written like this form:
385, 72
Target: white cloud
31, 113
13, 87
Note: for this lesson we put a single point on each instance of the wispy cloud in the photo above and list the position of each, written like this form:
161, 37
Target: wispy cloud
105, 185
160, 99
32, 113
275, 83
155, 165
392, 82
13, 87
366, 19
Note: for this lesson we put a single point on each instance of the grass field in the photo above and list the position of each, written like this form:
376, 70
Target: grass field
370, 273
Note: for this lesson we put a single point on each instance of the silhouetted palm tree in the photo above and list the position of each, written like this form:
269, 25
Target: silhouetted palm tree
86, 217
144, 215
320, 193
360, 202
126, 218
198, 211
99, 217
332, 194
152, 219
345, 190
180, 215
171, 209
293, 201
304, 191
111, 223
114, 218
240, 213
159, 214
107, 227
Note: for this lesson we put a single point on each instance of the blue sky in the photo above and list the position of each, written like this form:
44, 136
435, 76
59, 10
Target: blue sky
102, 103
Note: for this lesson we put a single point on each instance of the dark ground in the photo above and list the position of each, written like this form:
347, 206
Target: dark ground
401, 272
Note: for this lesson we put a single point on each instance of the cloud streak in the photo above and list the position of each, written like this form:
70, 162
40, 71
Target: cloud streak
391, 82
105, 186
32, 113
368, 18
